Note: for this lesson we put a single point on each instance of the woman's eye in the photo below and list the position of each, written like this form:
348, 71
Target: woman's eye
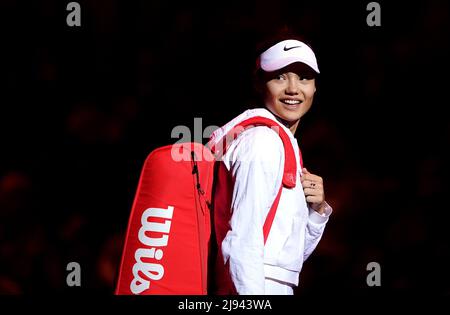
279, 77
305, 77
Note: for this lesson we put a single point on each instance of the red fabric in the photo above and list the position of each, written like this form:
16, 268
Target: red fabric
271, 215
166, 183
290, 165
222, 201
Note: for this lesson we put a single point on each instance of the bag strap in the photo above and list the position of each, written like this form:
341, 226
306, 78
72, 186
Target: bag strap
290, 165
271, 215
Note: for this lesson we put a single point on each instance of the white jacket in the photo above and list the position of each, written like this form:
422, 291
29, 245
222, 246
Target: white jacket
254, 162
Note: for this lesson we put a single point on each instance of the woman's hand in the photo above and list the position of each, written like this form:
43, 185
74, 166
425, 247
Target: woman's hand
314, 192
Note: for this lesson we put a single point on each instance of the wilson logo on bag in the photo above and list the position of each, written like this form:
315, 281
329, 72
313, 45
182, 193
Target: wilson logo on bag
152, 248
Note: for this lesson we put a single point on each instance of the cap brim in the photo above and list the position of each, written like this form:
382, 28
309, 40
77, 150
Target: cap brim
282, 63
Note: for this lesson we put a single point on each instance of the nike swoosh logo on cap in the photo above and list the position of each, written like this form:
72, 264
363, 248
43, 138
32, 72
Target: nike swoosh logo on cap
286, 48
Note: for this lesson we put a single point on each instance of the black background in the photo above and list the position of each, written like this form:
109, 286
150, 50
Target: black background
81, 107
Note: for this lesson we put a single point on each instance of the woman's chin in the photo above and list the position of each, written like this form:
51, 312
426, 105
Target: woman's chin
291, 117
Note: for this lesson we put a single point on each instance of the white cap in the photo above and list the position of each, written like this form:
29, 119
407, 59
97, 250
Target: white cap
286, 52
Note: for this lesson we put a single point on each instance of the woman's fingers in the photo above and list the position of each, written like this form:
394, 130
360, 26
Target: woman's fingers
313, 192
315, 199
311, 177
312, 184
312, 187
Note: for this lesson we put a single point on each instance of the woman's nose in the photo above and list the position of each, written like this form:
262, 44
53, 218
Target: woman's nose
292, 87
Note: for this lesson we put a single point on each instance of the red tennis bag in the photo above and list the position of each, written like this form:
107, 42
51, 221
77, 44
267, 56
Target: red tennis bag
169, 229
167, 241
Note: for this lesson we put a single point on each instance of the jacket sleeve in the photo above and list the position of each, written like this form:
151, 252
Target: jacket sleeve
314, 229
256, 165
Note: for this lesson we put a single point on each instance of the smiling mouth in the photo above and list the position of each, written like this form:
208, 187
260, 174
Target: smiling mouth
291, 102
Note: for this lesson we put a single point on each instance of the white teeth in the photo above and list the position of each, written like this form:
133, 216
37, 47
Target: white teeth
291, 102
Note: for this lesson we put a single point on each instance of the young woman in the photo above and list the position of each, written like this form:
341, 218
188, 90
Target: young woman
249, 177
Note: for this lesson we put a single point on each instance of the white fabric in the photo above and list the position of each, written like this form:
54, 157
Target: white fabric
275, 287
256, 160
286, 52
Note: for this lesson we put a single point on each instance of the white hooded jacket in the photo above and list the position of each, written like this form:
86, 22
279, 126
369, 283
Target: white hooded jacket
254, 163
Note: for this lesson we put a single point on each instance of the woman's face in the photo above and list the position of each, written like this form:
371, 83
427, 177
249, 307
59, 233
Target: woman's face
289, 95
